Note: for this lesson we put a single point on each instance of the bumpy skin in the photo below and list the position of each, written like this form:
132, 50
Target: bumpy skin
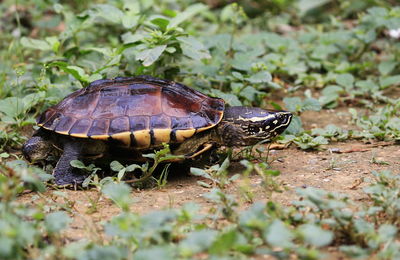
64, 173
108, 114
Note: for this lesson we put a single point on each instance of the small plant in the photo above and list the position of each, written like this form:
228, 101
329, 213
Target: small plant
162, 180
218, 174
384, 124
146, 171
266, 173
332, 132
305, 141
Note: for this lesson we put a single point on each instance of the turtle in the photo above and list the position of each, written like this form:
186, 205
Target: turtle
139, 114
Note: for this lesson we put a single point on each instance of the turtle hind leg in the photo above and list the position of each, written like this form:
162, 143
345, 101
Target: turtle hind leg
205, 147
64, 173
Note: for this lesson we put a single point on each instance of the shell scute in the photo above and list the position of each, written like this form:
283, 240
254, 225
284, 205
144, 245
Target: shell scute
99, 127
160, 122
200, 120
81, 127
65, 124
138, 123
119, 125
181, 123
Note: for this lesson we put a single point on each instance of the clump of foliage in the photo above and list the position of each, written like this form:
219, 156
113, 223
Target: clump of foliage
319, 219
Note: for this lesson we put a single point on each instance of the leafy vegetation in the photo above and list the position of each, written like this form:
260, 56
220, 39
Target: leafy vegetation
297, 55
317, 220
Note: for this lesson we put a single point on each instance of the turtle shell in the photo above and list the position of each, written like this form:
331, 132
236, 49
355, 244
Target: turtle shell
140, 112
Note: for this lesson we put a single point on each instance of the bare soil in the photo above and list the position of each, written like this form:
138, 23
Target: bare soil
347, 172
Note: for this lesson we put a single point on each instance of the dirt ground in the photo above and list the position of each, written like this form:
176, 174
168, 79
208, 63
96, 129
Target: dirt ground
346, 172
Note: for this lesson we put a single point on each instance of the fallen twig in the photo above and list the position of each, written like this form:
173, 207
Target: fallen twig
361, 148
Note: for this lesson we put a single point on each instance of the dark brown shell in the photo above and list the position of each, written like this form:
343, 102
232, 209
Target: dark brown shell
139, 112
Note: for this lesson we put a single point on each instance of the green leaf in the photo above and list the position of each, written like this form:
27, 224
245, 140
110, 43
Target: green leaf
386, 67
197, 242
260, 77
316, 236
194, 49
149, 56
330, 95
162, 23
224, 166
187, 14
277, 234
387, 232
311, 104
272, 172
276, 42
241, 61
129, 37
130, 20
224, 242
389, 81
155, 252
354, 251
295, 126
346, 80
53, 42
199, 172
77, 72
12, 107
104, 252
4, 155
252, 94
116, 166
237, 75
77, 164
108, 52
307, 5
108, 12
58, 8
74, 249
364, 227
293, 104
36, 44
133, 167
367, 86
120, 193
121, 174
332, 90
230, 99
94, 77
56, 221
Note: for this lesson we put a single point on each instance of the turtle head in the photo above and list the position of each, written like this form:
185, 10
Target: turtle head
242, 126
37, 148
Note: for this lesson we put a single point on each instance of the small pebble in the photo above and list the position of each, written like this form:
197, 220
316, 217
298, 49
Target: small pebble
334, 150
313, 161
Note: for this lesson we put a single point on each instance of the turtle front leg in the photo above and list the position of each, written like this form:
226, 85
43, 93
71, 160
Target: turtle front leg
64, 173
